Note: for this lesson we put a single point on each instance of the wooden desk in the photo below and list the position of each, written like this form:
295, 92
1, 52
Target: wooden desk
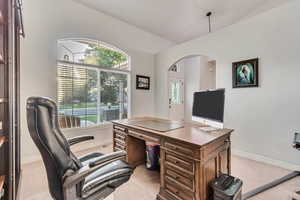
190, 158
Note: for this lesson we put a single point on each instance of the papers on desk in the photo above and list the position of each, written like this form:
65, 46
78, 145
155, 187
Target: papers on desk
208, 128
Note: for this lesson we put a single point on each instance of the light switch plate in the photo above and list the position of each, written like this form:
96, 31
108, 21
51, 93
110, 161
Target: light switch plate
1, 125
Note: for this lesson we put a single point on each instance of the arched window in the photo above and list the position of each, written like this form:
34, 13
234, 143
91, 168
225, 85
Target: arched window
93, 83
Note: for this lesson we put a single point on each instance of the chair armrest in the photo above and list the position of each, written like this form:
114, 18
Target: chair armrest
83, 172
76, 140
107, 157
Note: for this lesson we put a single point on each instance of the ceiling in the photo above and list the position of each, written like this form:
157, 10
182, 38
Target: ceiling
181, 20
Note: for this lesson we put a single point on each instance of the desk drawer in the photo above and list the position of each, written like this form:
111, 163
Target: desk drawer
118, 149
120, 142
143, 136
178, 193
120, 146
180, 178
179, 148
120, 137
184, 164
120, 128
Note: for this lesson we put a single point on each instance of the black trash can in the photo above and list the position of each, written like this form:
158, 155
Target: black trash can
227, 187
153, 156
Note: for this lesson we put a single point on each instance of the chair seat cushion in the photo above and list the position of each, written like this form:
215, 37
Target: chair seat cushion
111, 175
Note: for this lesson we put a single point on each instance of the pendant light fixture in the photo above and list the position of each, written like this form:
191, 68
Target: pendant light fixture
209, 23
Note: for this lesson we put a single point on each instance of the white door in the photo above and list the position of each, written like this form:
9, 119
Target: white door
176, 99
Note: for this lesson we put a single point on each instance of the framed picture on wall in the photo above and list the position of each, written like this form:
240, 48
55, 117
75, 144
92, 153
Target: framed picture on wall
245, 73
142, 82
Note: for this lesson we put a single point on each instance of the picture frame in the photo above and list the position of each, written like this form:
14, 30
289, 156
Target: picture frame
142, 82
245, 73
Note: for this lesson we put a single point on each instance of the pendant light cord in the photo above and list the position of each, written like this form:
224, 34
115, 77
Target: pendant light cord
209, 23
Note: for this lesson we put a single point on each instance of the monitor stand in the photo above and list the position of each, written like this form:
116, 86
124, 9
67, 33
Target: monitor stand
212, 124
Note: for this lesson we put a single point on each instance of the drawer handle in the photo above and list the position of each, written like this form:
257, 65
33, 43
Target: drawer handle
177, 192
177, 162
177, 177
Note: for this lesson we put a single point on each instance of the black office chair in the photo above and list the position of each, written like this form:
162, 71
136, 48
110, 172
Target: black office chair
90, 177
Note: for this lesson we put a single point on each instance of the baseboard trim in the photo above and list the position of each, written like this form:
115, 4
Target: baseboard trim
37, 157
267, 160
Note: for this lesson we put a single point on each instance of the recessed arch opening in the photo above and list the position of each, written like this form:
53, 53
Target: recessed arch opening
187, 75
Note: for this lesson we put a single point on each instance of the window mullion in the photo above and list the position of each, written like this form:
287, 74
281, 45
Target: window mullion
99, 96
72, 95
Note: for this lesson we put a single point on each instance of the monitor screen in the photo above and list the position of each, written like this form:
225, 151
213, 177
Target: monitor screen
209, 104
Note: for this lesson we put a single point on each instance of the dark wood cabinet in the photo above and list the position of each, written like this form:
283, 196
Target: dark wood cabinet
10, 33
190, 158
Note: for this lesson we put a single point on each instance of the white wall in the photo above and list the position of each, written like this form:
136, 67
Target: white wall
46, 22
266, 117
192, 84
211, 73
208, 74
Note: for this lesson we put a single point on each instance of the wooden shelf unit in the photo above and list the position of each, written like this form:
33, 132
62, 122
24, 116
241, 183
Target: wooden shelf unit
11, 26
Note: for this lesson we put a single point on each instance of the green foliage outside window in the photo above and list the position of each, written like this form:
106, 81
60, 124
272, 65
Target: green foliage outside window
104, 57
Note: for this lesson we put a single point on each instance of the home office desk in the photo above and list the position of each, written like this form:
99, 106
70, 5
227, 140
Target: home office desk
190, 157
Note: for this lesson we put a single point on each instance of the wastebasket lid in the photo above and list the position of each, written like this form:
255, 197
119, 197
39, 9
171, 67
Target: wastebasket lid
227, 184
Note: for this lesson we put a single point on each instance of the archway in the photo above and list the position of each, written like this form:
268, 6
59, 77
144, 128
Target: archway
186, 76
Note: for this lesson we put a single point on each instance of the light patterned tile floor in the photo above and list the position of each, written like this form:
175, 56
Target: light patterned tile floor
144, 185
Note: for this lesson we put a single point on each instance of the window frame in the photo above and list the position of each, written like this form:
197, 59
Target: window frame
128, 72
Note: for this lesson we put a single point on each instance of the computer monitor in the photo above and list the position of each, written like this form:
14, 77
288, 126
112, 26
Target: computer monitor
208, 107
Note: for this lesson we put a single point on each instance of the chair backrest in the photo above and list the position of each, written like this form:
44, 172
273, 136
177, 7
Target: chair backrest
43, 127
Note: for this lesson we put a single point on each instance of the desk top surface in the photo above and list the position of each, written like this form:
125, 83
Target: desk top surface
187, 132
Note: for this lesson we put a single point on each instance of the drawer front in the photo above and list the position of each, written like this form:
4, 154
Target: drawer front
179, 149
177, 193
120, 128
178, 177
185, 165
120, 133
120, 142
119, 139
143, 136
119, 147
